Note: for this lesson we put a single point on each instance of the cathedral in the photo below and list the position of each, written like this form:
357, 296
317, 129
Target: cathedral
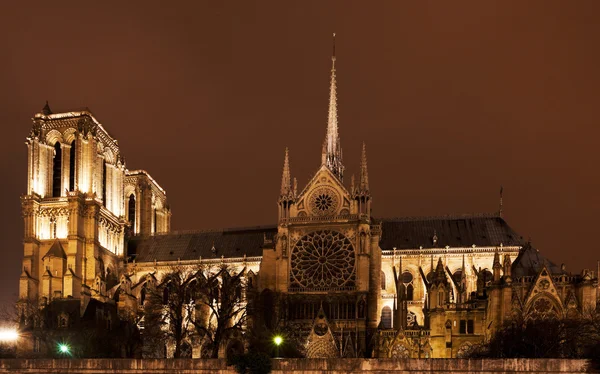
355, 285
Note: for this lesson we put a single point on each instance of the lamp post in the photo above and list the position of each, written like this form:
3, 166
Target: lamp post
64, 349
277, 340
8, 336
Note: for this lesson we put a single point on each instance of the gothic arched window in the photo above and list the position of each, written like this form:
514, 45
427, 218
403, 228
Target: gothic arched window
155, 216
410, 292
386, 317
382, 280
104, 182
72, 167
56, 170
131, 212
457, 276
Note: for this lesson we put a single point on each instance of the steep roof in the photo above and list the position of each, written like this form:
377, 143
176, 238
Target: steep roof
402, 233
193, 245
56, 250
530, 261
453, 231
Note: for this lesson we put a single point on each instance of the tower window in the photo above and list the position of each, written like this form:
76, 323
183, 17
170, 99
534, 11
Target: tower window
382, 280
56, 170
155, 216
72, 167
104, 182
131, 212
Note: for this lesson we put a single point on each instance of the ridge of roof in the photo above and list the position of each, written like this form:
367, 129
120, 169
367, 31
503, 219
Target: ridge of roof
208, 231
439, 217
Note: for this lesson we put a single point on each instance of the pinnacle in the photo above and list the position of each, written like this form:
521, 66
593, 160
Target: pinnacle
46, 109
286, 182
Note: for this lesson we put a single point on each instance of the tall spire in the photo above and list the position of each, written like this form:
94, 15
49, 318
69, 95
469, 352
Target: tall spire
286, 179
332, 152
501, 193
364, 174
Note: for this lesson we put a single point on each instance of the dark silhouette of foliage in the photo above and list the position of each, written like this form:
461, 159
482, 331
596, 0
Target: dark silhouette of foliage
545, 338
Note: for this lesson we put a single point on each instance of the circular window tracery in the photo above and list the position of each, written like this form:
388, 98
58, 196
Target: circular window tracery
323, 201
322, 260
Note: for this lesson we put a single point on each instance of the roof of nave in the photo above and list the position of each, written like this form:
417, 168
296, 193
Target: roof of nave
530, 261
454, 231
195, 244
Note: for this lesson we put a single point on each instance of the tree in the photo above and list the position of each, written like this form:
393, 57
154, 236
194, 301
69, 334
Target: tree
544, 338
202, 302
220, 306
166, 311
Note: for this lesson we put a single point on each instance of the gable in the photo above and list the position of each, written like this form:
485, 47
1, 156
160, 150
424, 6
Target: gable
324, 195
543, 287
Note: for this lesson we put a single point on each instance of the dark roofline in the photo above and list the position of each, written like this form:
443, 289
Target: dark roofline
207, 231
438, 218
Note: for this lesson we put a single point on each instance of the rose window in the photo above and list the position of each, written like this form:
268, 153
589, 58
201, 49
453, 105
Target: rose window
323, 201
323, 260
543, 308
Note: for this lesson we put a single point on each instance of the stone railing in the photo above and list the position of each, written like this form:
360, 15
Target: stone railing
321, 289
310, 219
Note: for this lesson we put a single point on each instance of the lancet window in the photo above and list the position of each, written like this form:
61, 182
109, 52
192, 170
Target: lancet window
56, 170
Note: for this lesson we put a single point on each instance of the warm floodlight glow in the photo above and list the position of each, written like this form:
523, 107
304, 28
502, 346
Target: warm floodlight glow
8, 335
278, 340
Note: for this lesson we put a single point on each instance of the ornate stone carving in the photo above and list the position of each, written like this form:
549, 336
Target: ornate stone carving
323, 201
86, 127
54, 212
322, 260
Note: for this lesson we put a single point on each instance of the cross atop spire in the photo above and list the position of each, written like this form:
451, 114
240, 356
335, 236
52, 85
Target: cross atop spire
332, 152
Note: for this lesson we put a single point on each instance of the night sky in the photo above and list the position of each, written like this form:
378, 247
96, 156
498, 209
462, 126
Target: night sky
453, 99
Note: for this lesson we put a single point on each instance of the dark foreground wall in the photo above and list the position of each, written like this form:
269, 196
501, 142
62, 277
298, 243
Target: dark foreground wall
299, 366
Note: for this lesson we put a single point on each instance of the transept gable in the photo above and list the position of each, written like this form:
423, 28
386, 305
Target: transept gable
324, 195
543, 286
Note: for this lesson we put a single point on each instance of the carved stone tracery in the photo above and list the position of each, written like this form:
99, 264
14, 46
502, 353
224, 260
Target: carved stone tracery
323, 259
324, 201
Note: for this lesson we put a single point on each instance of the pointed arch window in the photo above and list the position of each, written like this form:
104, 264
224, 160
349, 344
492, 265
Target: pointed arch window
155, 216
131, 212
383, 280
386, 317
104, 183
56, 170
72, 167
410, 292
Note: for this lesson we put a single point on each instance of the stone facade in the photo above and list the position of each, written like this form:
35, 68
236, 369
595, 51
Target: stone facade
351, 284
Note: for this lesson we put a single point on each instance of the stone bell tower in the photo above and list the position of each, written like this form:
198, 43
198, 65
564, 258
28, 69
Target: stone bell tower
74, 209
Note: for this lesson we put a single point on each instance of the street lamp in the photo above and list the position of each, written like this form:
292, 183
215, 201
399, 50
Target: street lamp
64, 349
8, 335
277, 340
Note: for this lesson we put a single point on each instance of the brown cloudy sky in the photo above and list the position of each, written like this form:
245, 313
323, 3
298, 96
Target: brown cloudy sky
453, 100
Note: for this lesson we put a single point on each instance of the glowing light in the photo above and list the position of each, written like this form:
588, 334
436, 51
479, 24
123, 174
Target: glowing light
63, 348
278, 340
8, 335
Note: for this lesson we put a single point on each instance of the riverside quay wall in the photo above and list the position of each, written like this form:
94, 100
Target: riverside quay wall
300, 366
